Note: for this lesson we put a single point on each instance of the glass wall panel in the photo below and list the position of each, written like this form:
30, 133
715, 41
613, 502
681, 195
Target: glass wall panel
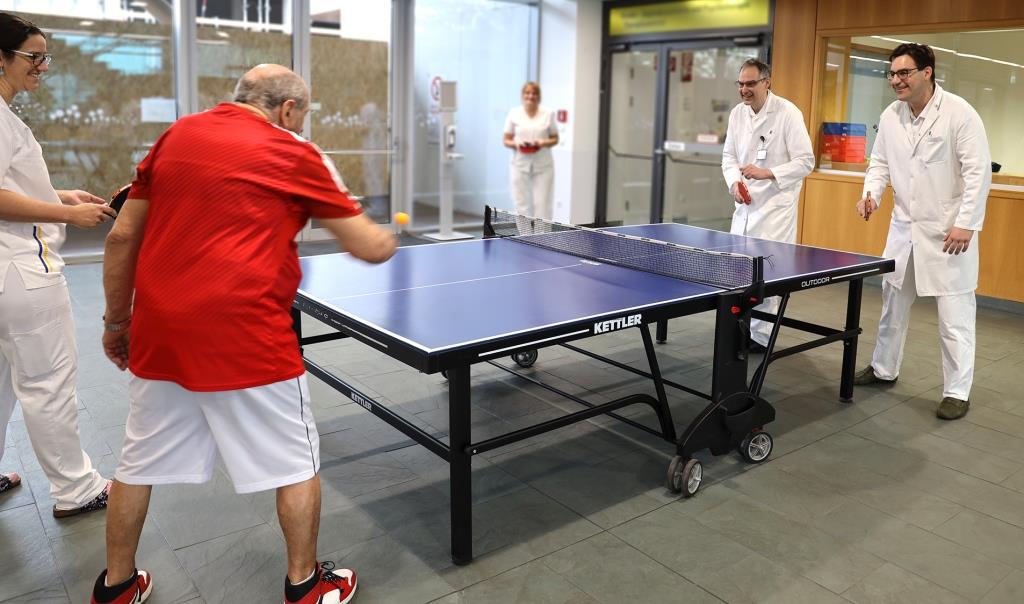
234, 36
107, 97
984, 67
351, 117
484, 45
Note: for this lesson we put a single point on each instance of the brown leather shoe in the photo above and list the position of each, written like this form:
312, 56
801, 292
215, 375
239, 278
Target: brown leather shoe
98, 502
952, 408
867, 376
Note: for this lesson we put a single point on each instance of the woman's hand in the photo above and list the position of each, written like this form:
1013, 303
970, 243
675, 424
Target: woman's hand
76, 197
89, 214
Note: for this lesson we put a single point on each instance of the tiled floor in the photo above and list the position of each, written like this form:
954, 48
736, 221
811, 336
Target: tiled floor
876, 501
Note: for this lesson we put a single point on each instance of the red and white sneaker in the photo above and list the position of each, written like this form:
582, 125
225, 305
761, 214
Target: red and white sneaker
329, 586
134, 592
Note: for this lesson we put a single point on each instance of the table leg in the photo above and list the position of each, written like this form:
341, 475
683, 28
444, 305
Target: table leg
850, 344
460, 466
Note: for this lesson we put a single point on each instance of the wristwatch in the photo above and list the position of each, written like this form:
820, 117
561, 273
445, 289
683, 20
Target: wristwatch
116, 327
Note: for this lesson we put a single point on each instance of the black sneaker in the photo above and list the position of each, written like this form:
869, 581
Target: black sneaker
98, 502
9, 481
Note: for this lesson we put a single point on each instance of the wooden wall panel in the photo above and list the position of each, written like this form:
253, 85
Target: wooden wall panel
880, 15
793, 63
830, 220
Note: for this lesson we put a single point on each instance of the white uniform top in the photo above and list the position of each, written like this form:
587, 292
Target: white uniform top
529, 129
774, 138
941, 171
32, 248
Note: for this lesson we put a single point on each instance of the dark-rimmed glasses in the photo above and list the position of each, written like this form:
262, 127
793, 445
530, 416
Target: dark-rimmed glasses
749, 83
37, 58
902, 74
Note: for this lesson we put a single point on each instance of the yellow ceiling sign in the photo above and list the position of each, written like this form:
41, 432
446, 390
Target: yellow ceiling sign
686, 15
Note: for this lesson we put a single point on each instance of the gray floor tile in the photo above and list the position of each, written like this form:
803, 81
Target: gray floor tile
987, 535
532, 582
190, 514
245, 566
610, 570
891, 584
54, 594
1009, 591
82, 557
27, 564
804, 550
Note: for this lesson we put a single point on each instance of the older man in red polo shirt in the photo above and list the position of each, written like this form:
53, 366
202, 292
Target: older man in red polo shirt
200, 273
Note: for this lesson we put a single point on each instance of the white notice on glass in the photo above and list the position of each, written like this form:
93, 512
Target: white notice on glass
159, 110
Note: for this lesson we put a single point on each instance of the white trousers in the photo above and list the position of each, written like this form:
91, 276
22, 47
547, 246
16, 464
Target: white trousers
760, 330
956, 334
526, 183
38, 366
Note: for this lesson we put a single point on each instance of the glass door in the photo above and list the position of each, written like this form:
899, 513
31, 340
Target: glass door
666, 129
631, 134
701, 93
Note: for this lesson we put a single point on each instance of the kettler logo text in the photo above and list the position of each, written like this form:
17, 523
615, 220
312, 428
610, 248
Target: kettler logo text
361, 401
813, 282
614, 324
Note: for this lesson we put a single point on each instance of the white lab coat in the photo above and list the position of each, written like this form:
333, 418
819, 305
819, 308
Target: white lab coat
940, 180
772, 212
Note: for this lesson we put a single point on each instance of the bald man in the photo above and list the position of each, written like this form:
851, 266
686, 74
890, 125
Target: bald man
200, 272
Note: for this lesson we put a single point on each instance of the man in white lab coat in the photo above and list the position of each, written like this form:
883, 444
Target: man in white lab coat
931, 146
766, 156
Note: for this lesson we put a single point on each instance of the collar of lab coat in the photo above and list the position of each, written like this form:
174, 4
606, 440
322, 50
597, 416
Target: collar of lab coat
931, 112
768, 107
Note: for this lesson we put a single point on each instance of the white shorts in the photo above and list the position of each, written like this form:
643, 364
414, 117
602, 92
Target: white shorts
265, 435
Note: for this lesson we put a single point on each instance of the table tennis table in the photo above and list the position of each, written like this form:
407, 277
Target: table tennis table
445, 307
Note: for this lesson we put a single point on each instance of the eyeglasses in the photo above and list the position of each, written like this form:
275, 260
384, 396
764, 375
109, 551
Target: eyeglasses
37, 58
749, 83
902, 74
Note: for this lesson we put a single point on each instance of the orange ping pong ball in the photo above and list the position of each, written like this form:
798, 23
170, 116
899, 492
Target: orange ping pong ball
401, 218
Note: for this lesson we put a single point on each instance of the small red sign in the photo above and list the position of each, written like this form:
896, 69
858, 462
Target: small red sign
562, 116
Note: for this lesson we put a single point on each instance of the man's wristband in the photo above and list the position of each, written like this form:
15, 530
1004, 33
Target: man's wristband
116, 327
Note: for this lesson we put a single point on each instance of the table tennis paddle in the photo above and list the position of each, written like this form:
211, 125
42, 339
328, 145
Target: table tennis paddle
744, 193
119, 197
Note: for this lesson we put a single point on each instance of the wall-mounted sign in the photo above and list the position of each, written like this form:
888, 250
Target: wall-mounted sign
684, 15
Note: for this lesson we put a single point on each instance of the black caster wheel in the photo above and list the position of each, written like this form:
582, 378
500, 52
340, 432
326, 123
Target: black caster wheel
525, 358
684, 476
444, 373
756, 447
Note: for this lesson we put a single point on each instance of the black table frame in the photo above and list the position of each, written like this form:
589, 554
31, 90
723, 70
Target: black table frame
729, 374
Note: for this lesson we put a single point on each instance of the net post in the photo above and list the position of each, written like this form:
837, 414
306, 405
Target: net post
488, 228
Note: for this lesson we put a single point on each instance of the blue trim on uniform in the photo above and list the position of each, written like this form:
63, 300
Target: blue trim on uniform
35, 231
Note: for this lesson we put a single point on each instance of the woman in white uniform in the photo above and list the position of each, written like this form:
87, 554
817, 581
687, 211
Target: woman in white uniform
530, 132
38, 359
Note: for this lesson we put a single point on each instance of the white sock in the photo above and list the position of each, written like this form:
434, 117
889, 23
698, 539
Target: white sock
304, 580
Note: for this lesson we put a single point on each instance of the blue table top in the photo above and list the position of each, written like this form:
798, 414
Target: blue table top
447, 295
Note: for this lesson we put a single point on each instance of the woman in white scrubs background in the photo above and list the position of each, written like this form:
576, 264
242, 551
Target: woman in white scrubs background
530, 132
38, 358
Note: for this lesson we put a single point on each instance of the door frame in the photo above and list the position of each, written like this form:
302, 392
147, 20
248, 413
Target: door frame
663, 44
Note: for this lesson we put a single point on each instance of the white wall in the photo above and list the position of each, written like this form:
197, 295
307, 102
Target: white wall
570, 73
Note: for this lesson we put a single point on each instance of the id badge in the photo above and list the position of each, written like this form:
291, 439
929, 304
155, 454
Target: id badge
762, 153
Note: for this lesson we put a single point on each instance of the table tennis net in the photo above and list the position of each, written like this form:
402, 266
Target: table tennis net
718, 269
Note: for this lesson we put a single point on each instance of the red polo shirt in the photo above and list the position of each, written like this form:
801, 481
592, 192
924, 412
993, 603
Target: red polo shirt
218, 269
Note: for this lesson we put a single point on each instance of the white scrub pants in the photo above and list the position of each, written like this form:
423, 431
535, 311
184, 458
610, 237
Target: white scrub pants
38, 366
526, 183
956, 333
760, 330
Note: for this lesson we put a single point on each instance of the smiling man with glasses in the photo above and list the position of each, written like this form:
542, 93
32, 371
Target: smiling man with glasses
766, 156
931, 146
